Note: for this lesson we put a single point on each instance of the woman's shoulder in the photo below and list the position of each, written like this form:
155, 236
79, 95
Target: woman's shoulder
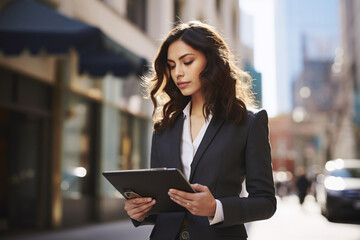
254, 114
171, 127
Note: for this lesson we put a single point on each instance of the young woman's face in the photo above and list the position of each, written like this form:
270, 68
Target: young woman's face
185, 65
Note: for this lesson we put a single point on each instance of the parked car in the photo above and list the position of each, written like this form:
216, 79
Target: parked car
338, 190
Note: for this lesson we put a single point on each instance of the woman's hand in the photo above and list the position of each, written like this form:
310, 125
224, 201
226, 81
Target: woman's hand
201, 203
137, 208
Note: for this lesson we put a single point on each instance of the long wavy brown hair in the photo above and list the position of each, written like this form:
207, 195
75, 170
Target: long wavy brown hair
226, 88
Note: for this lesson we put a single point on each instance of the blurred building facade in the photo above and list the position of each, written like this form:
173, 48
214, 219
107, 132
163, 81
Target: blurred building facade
305, 83
308, 42
347, 67
298, 21
61, 125
246, 54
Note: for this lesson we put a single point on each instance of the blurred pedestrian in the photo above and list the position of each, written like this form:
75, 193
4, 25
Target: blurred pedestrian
201, 100
302, 185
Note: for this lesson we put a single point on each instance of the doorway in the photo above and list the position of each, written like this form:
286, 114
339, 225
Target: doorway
20, 164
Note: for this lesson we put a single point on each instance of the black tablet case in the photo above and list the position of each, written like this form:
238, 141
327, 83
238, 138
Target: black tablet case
154, 183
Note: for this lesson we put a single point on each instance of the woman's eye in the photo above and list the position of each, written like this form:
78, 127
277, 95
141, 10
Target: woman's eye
188, 63
171, 67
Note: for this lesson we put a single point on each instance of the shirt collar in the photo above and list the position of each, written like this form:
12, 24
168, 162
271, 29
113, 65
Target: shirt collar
186, 112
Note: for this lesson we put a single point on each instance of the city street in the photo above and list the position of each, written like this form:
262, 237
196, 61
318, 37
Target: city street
85, 85
295, 222
291, 222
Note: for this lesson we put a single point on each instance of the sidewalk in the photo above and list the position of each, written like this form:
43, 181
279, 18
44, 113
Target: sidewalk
120, 230
290, 222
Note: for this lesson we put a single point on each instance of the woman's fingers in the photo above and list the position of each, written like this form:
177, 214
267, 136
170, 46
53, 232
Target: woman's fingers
182, 198
140, 213
181, 194
199, 187
201, 203
138, 201
180, 201
138, 208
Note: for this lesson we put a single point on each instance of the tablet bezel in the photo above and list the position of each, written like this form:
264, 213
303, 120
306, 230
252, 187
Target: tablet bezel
152, 182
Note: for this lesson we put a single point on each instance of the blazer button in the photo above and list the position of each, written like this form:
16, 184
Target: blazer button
185, 235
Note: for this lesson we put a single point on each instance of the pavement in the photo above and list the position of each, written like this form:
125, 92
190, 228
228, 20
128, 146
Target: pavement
293, 221
119, 230
290, 222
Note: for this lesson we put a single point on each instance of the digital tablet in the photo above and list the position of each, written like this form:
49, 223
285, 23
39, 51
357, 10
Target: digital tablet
153, 182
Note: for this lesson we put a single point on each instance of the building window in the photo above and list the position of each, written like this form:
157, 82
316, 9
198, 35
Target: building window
136, 12
126, 144
77, 153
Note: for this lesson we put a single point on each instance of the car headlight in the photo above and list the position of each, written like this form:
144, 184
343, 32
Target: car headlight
334, 183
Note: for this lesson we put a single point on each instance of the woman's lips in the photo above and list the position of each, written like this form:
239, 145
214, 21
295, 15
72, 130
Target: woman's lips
182, 84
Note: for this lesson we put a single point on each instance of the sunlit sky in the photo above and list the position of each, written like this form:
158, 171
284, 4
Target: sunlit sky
264, 48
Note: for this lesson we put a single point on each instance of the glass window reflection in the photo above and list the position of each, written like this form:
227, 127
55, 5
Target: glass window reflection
76, 148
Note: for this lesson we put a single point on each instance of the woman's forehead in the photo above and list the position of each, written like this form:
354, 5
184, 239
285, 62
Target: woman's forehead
179, 49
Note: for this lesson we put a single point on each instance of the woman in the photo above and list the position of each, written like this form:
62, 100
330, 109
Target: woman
203, 127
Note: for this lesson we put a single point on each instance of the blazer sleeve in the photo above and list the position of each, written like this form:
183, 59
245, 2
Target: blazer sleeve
151, 219
261, 202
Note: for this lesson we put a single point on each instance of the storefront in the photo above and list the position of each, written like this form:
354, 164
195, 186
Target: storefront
25, 116
65, 116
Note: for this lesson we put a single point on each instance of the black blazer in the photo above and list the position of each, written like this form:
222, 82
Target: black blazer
227, 155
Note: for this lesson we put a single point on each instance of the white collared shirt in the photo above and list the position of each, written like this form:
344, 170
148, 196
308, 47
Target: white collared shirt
188, 150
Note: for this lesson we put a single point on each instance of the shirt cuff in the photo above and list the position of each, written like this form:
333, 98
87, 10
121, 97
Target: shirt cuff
219, 214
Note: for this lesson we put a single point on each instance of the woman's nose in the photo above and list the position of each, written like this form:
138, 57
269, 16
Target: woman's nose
179, 72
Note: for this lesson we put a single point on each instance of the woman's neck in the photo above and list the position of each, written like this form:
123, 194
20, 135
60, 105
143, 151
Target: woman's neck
197, 103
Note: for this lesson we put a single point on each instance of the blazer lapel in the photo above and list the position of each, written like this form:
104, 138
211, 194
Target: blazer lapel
210, 133
175, 142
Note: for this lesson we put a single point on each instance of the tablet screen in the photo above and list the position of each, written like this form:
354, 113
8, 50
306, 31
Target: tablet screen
153, 182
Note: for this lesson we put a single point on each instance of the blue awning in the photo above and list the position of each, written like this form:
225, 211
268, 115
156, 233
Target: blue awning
25, 24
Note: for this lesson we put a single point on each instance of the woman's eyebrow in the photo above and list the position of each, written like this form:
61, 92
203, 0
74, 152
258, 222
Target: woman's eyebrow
181, 57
